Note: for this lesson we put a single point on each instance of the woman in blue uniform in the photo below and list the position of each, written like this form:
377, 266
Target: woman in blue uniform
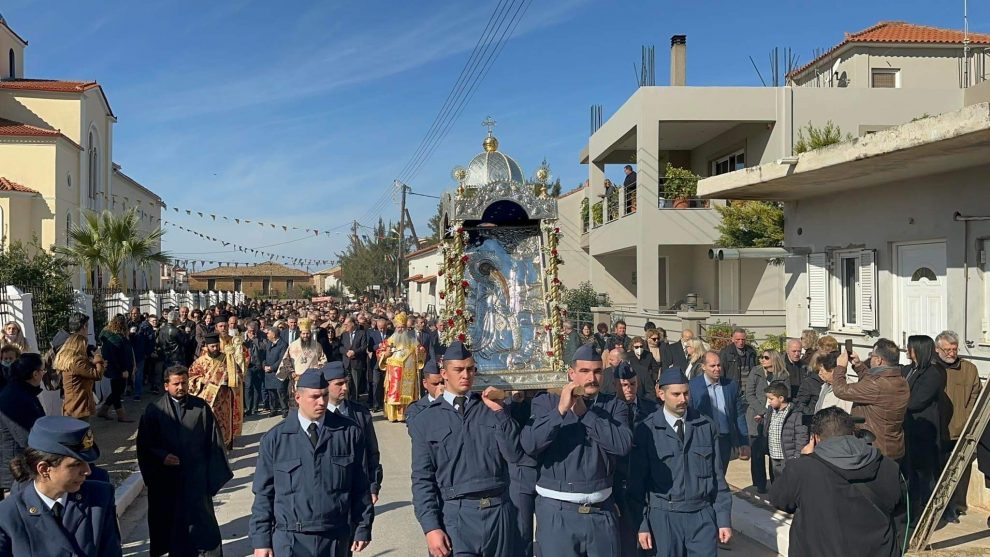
57, 511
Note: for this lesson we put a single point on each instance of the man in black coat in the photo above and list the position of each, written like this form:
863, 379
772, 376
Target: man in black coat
846, 497
737, 358
254, 378
275, 349
354, 349
338, 400
181, 455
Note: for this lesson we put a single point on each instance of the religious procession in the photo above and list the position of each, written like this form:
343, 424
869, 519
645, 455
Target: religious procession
752, 327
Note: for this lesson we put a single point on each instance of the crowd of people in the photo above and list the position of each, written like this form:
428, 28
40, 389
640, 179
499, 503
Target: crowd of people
629, 457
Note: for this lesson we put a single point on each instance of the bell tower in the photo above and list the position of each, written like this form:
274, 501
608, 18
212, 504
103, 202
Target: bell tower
11, 52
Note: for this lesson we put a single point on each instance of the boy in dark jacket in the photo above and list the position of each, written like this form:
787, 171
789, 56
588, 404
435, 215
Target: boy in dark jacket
785, 428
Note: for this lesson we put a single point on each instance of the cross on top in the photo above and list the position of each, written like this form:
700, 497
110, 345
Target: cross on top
489, 123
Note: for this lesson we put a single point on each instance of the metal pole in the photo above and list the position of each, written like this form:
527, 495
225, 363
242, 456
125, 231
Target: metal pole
398, 257
965, 44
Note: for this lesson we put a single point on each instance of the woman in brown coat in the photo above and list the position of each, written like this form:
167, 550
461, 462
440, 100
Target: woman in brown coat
79, 373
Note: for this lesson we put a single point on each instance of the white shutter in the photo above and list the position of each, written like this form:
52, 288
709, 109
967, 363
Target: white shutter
818, 290
868, 290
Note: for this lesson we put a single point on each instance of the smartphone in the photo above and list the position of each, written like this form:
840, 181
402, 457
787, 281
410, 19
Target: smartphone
849, 346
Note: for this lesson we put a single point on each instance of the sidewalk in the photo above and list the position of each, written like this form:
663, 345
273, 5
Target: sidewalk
117, 441
753, 517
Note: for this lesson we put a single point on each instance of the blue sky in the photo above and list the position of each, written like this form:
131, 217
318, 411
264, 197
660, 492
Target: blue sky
303, 112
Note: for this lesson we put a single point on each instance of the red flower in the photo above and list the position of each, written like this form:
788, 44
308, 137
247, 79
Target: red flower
465, 258
464, 284
549, 352
556, 280
547, 327
460, 229
459, 312
553, 252
556, 230
450, 322
443, 294
461, 337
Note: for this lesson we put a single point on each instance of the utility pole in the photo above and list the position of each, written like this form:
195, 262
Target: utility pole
402, 231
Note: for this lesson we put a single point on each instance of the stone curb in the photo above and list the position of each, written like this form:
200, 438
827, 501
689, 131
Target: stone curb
128, 491
766, 527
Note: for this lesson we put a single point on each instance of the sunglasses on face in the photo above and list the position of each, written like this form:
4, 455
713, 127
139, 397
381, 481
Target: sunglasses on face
764, 357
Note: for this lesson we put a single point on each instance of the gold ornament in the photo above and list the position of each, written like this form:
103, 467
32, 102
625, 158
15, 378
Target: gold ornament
490, 144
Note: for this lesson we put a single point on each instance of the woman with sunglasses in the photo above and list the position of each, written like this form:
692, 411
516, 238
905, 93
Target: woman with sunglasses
769, 369
646, 367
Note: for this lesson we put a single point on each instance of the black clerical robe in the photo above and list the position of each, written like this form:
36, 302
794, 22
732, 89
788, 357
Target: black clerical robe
181, 520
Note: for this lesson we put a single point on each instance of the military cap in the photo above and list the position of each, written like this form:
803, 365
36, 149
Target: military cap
312, 379
62, 435
624, 371
672, 376
457, 351
211, 338
333, 371
431, 368
587, 353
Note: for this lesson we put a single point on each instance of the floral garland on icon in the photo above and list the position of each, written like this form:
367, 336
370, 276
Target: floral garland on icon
554, 324
454, 294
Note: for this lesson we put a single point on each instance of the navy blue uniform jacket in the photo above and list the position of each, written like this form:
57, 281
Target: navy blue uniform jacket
302, 489
735, 408
373, 456
89, 524
454, 456
686, 475
577, 455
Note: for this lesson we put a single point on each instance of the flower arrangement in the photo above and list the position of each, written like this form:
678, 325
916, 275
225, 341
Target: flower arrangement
554, 325
454, 294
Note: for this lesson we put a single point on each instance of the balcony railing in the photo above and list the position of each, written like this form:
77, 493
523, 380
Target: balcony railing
619, 202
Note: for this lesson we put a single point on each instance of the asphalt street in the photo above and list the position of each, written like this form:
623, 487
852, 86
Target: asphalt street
396, 532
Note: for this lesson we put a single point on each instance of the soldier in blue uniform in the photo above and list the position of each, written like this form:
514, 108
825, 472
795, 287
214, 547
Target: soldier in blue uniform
576, 440
522, 478
339, 401
462, 444
640, 408
311, 488
57, 511
680, 497
433, 385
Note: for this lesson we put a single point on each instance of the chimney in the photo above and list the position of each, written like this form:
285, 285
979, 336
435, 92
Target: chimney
678, 60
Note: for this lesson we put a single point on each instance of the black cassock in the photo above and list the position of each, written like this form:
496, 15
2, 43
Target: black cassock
181, 520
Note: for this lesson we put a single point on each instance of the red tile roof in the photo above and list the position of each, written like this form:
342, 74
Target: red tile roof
53, 85
423, 251
9, 185
10, 128
899, 32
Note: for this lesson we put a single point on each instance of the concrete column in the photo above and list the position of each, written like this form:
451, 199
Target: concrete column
596, 179
648, 173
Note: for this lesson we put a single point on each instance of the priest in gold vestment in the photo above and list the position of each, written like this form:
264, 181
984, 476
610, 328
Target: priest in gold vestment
400, 357
216, 378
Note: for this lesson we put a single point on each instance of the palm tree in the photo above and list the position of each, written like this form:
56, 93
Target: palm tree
111, 241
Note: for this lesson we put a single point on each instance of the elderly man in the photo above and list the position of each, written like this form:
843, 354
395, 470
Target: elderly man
677, 351
717, 397
880, 396
615, 357
796, 370
962, 387
738, 357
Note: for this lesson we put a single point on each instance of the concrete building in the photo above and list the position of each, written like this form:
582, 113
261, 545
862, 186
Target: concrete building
56, 159
329, 279
263, 279
894, 223
422, 287
648, 254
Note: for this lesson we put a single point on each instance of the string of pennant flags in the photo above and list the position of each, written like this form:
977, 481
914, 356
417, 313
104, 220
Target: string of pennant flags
191, 264
125, 201
271, 256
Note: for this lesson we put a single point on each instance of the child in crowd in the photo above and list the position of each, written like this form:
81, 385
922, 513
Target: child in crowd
786, 431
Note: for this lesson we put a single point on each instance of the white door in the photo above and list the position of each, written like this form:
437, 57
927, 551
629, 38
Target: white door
921, 307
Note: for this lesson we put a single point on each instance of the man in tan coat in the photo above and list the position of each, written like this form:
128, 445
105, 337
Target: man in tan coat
962, 387
880, 396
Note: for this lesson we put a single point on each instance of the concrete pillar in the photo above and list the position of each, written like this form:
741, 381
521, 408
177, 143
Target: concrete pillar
647, 184
693, 320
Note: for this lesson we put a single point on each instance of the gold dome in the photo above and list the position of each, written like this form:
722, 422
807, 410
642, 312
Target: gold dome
490, 144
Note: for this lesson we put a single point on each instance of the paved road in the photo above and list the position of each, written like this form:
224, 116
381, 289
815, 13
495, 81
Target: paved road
396, 532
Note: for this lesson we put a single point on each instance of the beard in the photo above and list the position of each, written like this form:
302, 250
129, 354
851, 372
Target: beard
405, 340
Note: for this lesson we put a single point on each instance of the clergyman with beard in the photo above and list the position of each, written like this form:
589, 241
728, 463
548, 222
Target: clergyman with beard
181, 455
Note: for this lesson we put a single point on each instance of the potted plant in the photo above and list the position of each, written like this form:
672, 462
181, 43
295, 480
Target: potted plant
680, 184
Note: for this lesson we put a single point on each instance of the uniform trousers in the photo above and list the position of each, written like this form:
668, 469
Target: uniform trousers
563, 531
298, 544
628, 528
684, 534
480, 528
525, 507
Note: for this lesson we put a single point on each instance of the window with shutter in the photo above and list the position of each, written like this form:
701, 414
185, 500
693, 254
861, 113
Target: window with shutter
818, 311
868, 290
885, 78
